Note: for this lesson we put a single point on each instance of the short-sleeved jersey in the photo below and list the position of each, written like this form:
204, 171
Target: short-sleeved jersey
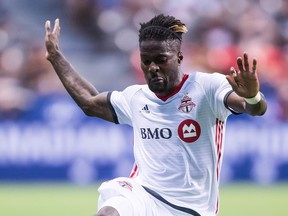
178, 142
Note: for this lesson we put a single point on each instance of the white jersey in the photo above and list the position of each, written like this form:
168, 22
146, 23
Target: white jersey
178, 142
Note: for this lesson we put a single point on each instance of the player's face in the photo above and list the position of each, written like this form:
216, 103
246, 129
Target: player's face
159, 62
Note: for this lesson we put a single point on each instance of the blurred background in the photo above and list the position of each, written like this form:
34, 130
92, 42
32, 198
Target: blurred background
44, 137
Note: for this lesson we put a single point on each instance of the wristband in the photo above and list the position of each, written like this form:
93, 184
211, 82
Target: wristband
253, 100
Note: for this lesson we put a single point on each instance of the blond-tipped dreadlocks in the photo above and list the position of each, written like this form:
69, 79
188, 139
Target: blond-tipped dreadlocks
162, 28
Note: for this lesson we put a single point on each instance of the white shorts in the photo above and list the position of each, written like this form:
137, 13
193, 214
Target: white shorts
130, 199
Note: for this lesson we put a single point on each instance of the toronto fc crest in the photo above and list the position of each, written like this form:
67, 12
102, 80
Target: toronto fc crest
186, 104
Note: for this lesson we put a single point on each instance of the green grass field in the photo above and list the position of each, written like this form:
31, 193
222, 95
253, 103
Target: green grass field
71, 200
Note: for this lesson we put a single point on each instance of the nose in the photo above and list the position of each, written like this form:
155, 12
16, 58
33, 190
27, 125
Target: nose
153, 68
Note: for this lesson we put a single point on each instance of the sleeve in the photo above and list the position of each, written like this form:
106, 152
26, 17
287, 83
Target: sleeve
226, 104
120, 103
217, 90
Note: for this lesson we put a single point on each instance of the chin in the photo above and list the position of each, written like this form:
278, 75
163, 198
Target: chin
156, 89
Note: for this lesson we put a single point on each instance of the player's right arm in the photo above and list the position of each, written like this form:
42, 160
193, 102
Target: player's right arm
83, 92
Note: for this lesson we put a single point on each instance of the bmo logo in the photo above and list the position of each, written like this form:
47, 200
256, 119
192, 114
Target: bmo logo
189, 130
157, 133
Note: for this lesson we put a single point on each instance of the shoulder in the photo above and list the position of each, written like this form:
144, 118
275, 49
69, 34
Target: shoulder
135, 88
207, 79
130, 91
204, 77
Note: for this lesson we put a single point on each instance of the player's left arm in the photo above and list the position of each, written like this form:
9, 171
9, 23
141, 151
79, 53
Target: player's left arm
246, 96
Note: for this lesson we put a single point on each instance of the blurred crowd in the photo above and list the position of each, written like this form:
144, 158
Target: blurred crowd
219, 32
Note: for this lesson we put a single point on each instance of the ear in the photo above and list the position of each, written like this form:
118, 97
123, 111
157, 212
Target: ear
180, 57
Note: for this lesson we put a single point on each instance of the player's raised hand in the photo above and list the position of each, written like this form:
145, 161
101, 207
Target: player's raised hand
244, 81
52, 38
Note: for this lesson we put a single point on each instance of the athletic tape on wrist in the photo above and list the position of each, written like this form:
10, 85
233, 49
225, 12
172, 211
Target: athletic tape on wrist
253, 100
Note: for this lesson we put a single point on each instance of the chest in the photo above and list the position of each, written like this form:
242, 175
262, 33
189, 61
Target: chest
186, 105
184, 116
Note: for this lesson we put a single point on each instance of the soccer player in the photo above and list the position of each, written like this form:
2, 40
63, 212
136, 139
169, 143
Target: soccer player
178, 121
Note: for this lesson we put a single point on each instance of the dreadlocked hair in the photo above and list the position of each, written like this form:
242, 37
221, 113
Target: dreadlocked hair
162, 28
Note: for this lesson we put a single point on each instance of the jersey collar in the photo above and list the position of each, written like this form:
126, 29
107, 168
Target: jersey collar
176, 90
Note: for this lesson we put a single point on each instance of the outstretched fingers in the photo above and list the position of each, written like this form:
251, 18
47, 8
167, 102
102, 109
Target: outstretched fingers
243, 64
233, 72
56, 29
254, 66
47, 26
244, 81
231, 78
246, 62
52, 38
240, 64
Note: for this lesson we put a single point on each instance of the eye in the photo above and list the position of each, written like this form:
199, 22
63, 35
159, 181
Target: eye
146, 62
161, 60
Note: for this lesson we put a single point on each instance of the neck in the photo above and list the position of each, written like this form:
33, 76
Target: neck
182, 79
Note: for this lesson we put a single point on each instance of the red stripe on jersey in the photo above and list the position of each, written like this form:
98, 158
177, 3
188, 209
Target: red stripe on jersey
217, 206
134, 171
218, 143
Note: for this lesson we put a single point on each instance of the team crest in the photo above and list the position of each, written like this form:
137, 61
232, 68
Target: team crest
186, 104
